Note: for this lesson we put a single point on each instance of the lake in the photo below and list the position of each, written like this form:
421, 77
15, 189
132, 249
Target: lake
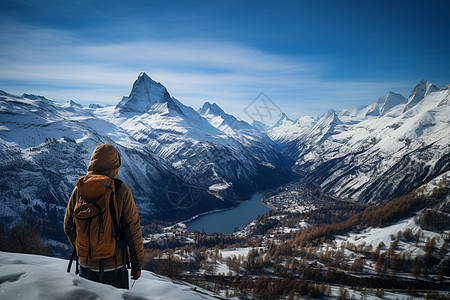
226, 220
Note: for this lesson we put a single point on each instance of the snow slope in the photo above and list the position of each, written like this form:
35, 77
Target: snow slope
375, 236
26, 276
285, 129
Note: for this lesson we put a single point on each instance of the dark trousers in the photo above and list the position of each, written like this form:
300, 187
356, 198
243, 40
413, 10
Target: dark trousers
117, 278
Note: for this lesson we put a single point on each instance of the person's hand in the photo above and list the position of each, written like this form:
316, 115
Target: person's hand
135, 274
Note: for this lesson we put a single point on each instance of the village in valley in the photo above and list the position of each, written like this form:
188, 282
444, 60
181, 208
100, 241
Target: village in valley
337, 249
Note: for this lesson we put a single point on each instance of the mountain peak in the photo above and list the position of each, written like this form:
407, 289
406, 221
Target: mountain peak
95, 106
424, 81
145, 93
420, 91
211, 108
384, 103
72, 103
144, 79
143, 74
331, 117
33, 97
329, 113
283, 119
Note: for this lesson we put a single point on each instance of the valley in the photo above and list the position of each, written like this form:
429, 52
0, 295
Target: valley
334, 250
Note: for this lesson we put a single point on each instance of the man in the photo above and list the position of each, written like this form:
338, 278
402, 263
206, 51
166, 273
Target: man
105, 160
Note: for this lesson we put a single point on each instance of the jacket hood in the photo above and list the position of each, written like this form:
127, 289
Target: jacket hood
105, 160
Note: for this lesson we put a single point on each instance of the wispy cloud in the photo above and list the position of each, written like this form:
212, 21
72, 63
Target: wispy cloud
65, 67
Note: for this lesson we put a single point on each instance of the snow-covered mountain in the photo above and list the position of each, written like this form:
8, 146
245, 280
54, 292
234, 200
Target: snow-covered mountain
211, 149
285, 129
422, 89
46, 146
144, 94
26, 276
374, 153
180, 162
176, 163
384, 104
238, 130
379, 108
221, 120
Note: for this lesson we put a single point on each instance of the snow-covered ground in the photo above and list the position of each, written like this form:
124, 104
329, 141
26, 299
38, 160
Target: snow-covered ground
237, 252
25, 276
375, 236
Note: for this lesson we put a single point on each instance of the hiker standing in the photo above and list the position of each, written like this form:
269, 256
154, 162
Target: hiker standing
102, 223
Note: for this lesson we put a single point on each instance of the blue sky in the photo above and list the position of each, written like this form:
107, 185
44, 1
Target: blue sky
307, 56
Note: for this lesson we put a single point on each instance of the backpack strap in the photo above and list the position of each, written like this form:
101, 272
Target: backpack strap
88, 225
101, 266
122, 243
125, 257
72, 257
112, 209
71, 260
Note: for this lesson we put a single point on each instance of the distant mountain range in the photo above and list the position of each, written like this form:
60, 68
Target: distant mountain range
372, 153
180, 162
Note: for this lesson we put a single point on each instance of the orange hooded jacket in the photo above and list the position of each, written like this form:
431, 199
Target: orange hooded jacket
105, 160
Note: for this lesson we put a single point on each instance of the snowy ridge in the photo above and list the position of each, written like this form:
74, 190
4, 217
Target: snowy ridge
285, 129
221, 120
379, 108
23, 277
237, 129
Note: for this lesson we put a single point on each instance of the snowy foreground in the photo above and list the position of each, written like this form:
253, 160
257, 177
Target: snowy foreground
25, 276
